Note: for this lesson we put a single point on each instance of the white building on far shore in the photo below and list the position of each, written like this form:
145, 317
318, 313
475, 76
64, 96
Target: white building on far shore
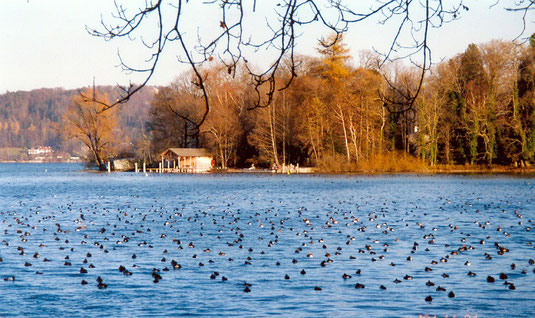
40, 150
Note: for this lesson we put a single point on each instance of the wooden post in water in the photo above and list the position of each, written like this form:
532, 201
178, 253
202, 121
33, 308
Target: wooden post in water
144, 167
136, 167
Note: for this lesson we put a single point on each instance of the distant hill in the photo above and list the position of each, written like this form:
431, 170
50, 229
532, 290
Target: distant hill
32, 118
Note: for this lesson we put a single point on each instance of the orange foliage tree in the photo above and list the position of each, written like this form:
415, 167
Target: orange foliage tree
87, 122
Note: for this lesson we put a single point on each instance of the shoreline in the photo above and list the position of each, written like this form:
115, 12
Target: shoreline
430, 171
34, 161
373, 173
474, 170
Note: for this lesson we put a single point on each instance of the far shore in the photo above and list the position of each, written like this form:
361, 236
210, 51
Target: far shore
437, 170
36, 161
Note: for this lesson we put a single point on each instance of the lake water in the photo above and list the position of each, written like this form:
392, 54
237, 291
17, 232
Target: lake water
255, 229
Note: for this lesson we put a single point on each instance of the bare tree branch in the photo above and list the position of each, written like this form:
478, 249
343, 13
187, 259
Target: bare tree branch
234, 41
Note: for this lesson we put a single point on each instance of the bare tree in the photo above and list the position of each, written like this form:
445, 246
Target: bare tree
231, 37
84, 121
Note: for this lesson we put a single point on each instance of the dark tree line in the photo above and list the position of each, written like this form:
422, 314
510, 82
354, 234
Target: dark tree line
482, 105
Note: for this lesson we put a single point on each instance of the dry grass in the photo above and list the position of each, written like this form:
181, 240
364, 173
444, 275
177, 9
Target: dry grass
400, 162
387, 162
393, 162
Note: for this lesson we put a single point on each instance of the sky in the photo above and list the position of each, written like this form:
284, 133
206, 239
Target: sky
45, 43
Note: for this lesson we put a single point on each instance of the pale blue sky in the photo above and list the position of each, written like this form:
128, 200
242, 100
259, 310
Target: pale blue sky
45, 44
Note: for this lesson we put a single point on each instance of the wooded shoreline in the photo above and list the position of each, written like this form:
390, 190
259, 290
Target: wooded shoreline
477, 108
436, 170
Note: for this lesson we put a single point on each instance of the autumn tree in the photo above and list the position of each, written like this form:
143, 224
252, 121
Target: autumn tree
314, 125
311, 124
271, 130
275, 133
335, 73
431, 107
222, 126
499, 64
402, 85
175, 115
87, 122
367, 114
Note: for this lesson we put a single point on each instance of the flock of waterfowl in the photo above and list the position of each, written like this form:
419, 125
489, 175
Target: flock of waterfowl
434, 249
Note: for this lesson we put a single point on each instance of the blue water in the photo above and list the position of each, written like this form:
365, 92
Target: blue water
60, 211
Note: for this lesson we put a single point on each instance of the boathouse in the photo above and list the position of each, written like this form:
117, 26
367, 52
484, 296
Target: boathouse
186, 160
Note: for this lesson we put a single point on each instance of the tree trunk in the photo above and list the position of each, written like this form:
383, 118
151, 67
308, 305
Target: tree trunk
272, 134
343, 122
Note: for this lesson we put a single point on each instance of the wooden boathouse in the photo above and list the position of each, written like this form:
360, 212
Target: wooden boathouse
189, 160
